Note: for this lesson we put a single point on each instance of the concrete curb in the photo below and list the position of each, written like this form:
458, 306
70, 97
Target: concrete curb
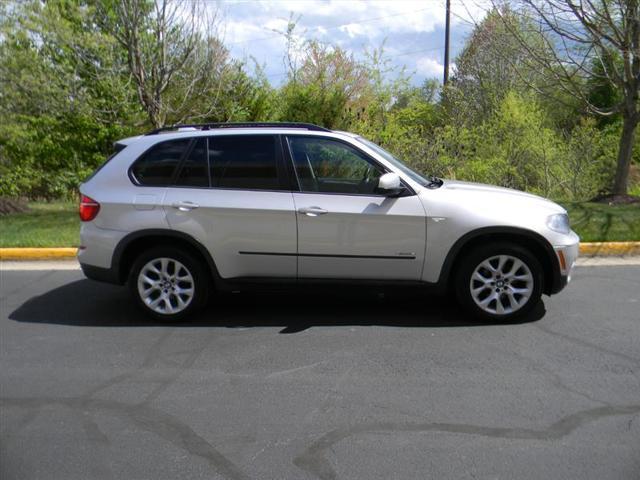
607, 249
595, 249
37, 253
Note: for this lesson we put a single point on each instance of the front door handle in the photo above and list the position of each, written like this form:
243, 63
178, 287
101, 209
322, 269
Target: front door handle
185, 206
313, 211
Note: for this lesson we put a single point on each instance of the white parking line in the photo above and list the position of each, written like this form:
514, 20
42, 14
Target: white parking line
13, 265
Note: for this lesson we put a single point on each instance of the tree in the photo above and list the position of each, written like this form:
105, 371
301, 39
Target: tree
329, 87
582, 41
174, 57
64, 97
491, 64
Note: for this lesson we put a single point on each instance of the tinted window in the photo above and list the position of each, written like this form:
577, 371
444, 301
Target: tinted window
244, 161
195, 168
157, 165
324, 165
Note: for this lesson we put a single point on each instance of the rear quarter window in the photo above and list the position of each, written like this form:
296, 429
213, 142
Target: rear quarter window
157, 166
117, 148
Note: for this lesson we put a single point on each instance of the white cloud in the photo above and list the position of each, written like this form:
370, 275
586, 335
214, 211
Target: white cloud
429, 67
409, 27
353, 30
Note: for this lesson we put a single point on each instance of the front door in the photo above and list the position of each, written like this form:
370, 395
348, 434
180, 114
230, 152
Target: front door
346, 229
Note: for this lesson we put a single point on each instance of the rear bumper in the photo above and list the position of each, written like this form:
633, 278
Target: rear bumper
98, 245
96, 253
100, 274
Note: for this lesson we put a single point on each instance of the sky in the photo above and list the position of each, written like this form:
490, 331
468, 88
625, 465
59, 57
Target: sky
413, 31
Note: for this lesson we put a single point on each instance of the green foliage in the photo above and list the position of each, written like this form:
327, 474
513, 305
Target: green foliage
329, 88
601, 93
68, 92
517, 147
490, 66
58, 116
314, 104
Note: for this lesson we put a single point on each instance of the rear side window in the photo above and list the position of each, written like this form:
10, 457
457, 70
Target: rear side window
244, 162
157, 165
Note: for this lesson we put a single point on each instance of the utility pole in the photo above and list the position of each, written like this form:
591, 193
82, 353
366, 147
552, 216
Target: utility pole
446, 42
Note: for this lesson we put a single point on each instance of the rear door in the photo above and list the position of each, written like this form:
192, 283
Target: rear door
231, 194
346, 228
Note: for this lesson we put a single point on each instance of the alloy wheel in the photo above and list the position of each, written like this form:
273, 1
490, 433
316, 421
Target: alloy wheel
501, 284
166, 286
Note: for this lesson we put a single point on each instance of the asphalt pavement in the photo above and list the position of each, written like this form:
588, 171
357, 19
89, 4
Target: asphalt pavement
317, 386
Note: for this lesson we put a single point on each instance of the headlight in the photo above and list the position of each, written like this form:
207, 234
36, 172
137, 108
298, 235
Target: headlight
559, 223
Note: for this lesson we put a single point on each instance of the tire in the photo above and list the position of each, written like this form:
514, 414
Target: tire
169, 284
511, 276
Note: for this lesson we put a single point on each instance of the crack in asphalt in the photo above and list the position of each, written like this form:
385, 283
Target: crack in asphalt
146, 417
314, 462
555, 379
162, 424
587, 344
93, 433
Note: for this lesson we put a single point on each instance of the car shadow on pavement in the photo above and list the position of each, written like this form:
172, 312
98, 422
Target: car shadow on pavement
85, 303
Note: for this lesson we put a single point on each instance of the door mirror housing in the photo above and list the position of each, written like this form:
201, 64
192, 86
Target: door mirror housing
390, 185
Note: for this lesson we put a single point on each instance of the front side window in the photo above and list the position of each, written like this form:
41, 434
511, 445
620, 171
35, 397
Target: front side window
157, 165
329, 166
244, 162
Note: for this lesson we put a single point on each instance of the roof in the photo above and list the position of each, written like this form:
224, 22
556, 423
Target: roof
176, 131
234, 125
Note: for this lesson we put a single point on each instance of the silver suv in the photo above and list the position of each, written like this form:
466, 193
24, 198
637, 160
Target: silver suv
187, 210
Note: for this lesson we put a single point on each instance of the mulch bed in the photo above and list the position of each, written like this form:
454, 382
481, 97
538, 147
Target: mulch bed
12, 205
612, 199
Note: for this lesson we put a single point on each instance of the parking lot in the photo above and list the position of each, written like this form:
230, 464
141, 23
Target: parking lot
308, 386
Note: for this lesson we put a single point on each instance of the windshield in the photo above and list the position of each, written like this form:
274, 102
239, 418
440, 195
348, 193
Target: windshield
415, 176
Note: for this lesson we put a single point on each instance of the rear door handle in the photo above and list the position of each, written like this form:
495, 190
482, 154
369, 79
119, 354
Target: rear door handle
313, 211
185, 206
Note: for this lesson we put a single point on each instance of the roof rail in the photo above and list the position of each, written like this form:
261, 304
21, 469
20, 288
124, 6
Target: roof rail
212, 126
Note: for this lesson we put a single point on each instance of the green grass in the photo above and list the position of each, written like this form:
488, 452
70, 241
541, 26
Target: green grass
53, 224
597, 222
57, 224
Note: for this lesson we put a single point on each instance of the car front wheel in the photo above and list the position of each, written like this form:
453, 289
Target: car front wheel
168, 284
499, 282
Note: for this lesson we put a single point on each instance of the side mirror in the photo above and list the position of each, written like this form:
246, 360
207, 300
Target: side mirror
389, 184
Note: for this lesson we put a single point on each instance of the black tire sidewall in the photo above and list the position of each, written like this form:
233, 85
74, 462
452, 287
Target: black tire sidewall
199, 274
478, 255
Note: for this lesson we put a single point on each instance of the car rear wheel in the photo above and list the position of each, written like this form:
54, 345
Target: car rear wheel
499, 282
168, 284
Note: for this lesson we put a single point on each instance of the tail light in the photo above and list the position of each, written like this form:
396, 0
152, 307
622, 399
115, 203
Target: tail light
89, 208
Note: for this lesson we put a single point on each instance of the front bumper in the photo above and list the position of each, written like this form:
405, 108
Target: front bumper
566, 256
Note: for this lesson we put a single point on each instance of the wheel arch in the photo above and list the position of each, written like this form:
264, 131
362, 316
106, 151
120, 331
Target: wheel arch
528, 239
133, 244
